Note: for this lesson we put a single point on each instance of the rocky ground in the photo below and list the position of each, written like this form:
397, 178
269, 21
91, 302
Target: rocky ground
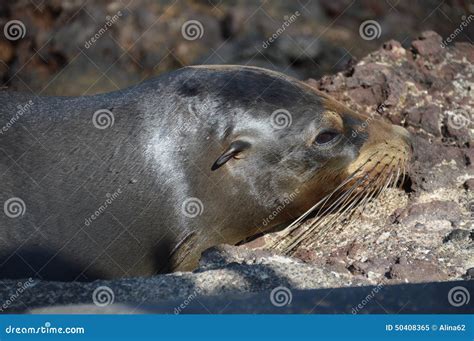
421, 233
424, 232
235, 280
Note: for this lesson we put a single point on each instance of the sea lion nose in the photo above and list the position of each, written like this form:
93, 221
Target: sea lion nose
404, 134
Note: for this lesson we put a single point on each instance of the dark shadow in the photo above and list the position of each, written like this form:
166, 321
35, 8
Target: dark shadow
31, 263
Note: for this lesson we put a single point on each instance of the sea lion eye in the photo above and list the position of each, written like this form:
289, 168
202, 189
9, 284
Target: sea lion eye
326, 136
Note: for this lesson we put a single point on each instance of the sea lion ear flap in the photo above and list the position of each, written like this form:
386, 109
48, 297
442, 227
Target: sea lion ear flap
235, 148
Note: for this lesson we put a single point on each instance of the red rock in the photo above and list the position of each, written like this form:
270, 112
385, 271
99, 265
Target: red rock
414, 271
429, 44
435, 210
430, 119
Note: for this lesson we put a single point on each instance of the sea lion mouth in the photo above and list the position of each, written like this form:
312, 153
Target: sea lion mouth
379, 166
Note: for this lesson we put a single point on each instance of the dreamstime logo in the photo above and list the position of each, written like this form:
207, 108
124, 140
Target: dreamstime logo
370, 30
458, 296
14, 207
459, 119
103, 296
14, 30
192, 207
103, 119
192, 30
281, 296
370, 210
281, 119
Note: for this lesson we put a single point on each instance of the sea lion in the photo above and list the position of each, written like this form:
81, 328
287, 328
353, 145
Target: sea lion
140, 181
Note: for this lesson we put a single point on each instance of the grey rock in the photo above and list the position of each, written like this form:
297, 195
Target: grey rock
224, 270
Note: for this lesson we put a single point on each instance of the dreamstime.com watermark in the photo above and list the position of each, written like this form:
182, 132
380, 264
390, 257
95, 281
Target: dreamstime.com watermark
109, 21
187, 301
21, 287
22, 109
14, 207
192, 207
367, 299
464, 23
46, 329
192, 30
103, 119
370, 30
288, 20
281, 119
288, 199
459, 118
281, 296
14, 30
110, 199
103, 296
458, 296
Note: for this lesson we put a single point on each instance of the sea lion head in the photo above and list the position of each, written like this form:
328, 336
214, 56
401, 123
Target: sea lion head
274, 147
292, 145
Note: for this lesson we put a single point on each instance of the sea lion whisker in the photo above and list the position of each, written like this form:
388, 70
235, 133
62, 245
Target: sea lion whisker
346, 195
345, 202
386, 175
388, 183
343, 197
334, 204
397, 177
370, 193
320, 217
375, 193
303, 234
403, 175
373, 187
326, 198
342, 213
345, 208
349, 178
